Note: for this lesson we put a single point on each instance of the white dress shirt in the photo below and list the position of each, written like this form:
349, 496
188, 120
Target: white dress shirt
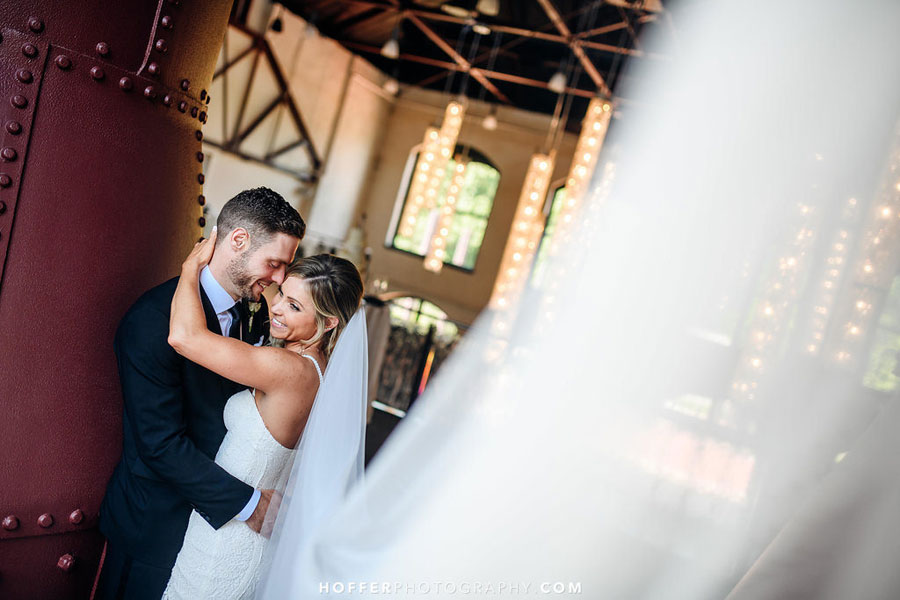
222, 303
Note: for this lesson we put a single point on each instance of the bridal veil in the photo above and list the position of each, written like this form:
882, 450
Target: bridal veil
694, 404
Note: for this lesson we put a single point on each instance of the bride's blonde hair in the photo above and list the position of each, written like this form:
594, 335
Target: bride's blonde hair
336, 290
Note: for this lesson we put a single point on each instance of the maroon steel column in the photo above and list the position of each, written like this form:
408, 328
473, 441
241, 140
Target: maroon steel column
102, 105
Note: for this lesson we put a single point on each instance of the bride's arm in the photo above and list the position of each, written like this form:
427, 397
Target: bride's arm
263, 368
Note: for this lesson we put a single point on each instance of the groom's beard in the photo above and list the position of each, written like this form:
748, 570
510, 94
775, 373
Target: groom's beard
240, 278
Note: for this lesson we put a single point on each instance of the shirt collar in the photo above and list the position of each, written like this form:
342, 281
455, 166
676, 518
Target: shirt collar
220, 299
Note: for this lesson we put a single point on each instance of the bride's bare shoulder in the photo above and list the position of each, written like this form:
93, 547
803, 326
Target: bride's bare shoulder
297, 375
286, 407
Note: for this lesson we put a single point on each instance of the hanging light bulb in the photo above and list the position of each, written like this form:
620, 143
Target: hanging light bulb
457, 11
391, 86
490, 121
557, 83
488, 7
391, 49
481, 29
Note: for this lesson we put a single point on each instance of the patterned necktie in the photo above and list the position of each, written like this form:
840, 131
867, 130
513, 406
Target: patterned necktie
235, 330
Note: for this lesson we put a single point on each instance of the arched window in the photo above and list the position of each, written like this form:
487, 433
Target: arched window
418, 315
473, 207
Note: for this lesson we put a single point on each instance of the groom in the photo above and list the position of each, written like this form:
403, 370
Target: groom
173, 414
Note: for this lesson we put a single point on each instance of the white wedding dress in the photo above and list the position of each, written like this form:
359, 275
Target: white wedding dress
225, 564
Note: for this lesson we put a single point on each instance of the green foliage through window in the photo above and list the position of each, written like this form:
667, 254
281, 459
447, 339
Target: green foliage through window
886, 347
473, 207
420, 315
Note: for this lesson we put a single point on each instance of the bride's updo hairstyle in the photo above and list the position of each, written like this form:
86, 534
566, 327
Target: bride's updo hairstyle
336, 289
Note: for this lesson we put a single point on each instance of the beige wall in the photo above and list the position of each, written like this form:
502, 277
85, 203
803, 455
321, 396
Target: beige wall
343, 107
364, 137
520, 134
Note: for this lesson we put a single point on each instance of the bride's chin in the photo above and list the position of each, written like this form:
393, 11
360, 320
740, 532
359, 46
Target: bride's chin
278, 335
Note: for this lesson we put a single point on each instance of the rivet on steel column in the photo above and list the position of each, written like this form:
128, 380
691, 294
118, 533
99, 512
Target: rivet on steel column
66, 562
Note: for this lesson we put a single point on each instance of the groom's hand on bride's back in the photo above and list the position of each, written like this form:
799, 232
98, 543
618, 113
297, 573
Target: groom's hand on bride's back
255, 522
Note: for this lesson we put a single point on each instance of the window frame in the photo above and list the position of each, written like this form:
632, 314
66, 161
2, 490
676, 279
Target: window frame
402, 196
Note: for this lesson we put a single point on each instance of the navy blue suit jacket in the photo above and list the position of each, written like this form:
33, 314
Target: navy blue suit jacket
172, 428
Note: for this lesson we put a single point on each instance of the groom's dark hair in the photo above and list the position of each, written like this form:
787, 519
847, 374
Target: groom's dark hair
263, 213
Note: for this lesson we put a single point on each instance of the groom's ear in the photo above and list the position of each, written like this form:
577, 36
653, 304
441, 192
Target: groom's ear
239, 240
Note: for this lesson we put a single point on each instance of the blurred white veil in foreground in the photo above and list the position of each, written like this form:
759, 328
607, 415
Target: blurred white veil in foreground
698, 403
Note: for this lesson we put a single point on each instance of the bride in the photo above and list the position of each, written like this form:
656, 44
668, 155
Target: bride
317, 304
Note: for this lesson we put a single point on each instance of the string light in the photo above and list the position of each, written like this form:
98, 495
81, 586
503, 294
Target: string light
437, 249
879, 246
770, 320
835, 261
527, 227
424, 172
428, 174
593, 132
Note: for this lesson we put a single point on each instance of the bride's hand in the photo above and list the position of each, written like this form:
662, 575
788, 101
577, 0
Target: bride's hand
201, 254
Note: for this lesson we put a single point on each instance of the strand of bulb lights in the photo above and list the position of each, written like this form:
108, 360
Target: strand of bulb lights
437, 249
430, 168
525, 234
875, 269
770, 321
590, 141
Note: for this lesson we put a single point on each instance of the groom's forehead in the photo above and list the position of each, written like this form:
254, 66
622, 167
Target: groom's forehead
280, 246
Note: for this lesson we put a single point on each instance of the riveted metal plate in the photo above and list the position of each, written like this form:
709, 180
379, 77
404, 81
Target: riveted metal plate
21, 75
